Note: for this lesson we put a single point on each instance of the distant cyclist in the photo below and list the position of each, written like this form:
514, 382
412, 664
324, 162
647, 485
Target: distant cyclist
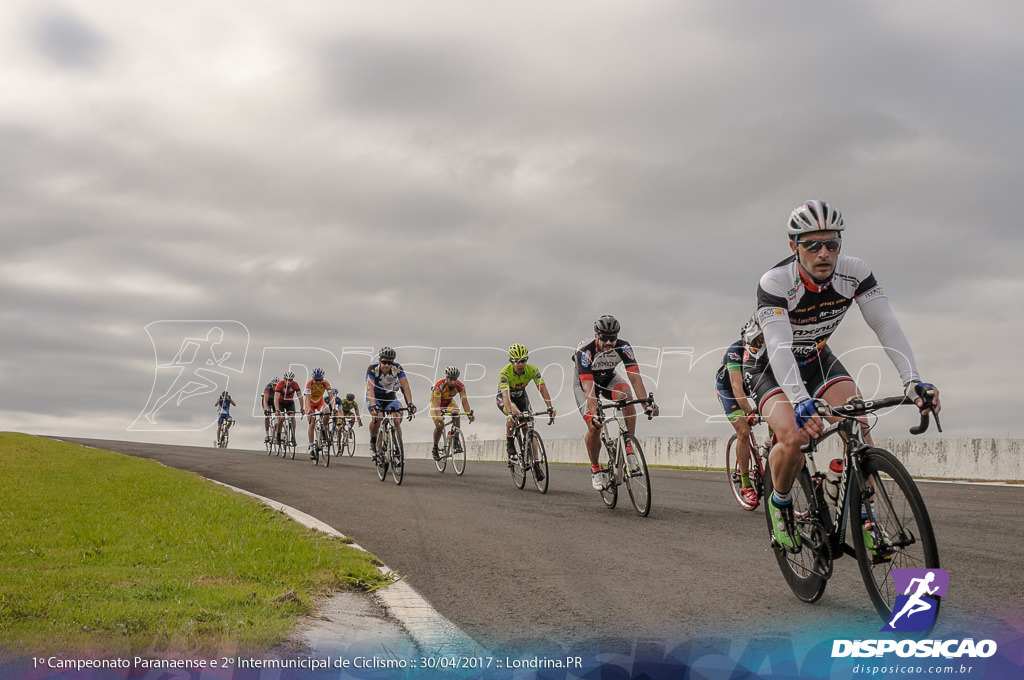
313, 397
267, 399
442, 400
224, 420
345, 409
740, 411
800, 303
286, 393
596, 359
512, 399
383, 381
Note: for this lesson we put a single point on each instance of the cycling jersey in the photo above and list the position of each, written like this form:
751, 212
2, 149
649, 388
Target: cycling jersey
347, 407
288, 390
315, 390
268, 392
385, 385
224, 405
811, 313
442, 394
516, 384
600, 366
732, 361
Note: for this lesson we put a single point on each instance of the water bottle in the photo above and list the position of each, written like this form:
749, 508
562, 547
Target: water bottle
832, 475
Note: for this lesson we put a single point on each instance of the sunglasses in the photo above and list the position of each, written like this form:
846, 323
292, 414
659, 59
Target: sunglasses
607, 338
384, 362
814, 246
520, 361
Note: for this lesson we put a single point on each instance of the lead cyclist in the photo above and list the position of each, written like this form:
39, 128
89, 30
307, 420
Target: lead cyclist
800, 303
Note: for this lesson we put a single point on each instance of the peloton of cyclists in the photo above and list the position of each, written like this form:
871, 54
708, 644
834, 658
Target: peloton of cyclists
442, 400
595, 376
800, 303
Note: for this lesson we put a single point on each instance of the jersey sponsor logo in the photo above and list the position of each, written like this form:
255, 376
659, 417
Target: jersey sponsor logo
585, 359
628, 351
768, 313
873, 293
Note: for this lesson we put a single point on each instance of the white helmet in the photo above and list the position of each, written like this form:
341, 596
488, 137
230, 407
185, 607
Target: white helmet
814, 216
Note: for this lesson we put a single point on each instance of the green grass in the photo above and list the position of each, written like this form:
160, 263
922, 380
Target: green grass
104, 553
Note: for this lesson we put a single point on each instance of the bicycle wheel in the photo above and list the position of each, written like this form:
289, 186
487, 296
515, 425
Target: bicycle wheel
444, 450
383, 455
637, 477
808, 570
732, 468
540, 462
270, 445
397, 458
610, 494
458, 459
326, 444
350, 440
903, 529
516, 464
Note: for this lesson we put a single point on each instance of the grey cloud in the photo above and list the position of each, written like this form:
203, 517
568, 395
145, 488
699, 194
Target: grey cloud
67, 41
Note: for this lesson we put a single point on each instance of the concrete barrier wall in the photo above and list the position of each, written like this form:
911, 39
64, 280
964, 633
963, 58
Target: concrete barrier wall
977, 459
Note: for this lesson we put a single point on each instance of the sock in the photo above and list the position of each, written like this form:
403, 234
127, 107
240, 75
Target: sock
782, 499
594, 469
745, 481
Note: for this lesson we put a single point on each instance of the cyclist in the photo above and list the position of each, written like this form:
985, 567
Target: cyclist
383, 380
313, 398
442, 398
800, 303
595, 360
729, 388
285, 394
347, 408
224, 403
512, 398
268, 405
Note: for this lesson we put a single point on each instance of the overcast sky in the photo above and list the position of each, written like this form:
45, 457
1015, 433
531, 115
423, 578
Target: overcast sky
306, 182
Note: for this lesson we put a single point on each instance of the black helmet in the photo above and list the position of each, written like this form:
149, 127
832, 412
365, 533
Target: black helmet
607, 325
387, 354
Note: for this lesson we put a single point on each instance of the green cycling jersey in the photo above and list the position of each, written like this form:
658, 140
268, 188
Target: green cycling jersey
515, 383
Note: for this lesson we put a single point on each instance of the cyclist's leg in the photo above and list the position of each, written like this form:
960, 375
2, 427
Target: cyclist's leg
620, 389
437, 414
592, 437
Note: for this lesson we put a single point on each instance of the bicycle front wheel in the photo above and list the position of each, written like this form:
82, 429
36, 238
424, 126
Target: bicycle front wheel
610, 492
540, 462
326, 448
444, 449
397, 458
350, 441
638, 480
383, 455
458, 443
518, 464
808, 570
901, 536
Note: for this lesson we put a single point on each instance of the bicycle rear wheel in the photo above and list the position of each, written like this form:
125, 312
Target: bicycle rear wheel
326, 446
902, 532
540, 462
397, 458
444, 449
610, 493
638, 480
458, 458
732, 468
518, 463
807, 571
383, 455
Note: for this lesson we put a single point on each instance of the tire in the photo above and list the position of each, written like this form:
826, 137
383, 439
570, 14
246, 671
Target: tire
383, 455
397, 458
518, 466
541, 462
610, 494
443, 451
326, 444
901, 513
807, 571
732, 468
459, 459
350, 441
638, 481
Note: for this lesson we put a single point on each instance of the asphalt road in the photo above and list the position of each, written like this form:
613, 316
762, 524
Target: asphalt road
519, 570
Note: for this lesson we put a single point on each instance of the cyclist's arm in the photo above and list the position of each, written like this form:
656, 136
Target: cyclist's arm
506, 399
736, 380
778, 343
369, 391
543, 389
879, 316
406, 392
589, 392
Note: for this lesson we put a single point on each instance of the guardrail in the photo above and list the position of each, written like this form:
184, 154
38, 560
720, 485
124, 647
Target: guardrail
926, 457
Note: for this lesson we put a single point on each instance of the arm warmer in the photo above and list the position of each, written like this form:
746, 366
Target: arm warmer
878, 315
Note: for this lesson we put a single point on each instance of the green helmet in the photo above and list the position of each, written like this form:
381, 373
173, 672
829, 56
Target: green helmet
517, 352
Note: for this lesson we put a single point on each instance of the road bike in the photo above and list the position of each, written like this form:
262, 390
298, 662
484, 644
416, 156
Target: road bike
625, 462
345, 437
284, 442
390, 451
222, 441
758, 459
323, 438
530, 455
888, 519
451, 445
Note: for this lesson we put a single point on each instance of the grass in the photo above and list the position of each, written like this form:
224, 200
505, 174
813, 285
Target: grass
104, 553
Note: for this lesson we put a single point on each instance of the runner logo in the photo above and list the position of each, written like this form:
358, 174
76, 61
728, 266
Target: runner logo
916, 608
